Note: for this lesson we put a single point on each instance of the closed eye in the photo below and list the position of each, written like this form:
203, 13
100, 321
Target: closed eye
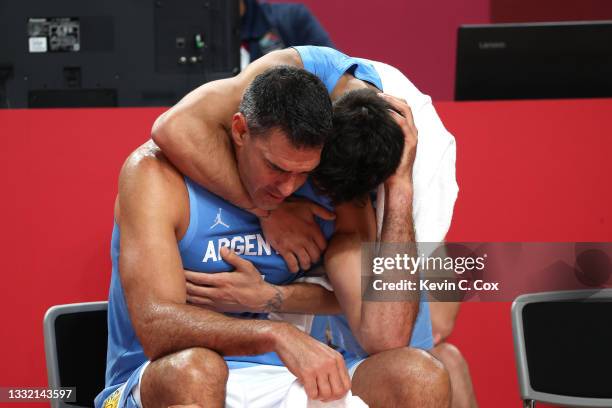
283, 171
276, 168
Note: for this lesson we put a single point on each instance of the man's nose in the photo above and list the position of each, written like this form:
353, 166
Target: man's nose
289, 185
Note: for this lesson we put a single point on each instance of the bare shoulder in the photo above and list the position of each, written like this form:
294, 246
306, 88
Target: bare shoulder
148, 161
149, 182
287, 56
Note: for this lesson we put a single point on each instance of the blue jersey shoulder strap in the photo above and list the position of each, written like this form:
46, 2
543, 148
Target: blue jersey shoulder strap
329, 65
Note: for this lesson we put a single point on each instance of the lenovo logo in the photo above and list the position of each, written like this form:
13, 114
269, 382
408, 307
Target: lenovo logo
491, 45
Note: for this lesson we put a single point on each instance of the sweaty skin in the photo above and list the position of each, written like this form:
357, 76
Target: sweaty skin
196, 129
153, 213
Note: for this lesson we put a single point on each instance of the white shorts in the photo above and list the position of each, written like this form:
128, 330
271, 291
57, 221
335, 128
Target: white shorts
269, 386
264, 386
259, 386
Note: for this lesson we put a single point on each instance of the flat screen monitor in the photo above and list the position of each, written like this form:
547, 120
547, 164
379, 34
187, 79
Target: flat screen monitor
534, 61
74, 53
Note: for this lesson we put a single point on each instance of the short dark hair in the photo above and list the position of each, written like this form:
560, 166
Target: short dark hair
292, 100
364, 150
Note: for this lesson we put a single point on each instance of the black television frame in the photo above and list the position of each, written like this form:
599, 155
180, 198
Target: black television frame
534, 61
70, 53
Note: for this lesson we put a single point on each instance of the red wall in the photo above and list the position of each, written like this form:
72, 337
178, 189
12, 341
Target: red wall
531, 171
511, 11
527, 171
418, 37
59, 171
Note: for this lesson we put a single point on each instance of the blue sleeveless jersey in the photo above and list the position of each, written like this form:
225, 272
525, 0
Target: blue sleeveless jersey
213, 223
329, 65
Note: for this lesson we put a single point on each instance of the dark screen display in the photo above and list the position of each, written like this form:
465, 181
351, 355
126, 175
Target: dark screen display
534, 61
569, 348
81, 350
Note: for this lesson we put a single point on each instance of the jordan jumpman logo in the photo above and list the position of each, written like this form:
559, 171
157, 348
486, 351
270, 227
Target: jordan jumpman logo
218, 221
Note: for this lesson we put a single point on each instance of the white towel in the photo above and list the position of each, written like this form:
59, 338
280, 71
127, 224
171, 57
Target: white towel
435, 186
297, 398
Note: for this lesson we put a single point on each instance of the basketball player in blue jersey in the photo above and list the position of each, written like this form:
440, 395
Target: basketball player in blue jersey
164, 352
343, 173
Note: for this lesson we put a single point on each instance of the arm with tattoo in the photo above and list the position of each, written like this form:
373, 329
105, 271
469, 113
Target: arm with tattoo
244, 290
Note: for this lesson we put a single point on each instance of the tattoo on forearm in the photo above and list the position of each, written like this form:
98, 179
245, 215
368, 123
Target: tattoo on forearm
275, 303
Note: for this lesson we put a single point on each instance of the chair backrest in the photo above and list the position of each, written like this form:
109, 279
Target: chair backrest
75, 348
563, 347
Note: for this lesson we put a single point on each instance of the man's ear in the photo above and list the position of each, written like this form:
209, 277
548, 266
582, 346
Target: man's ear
239, 128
